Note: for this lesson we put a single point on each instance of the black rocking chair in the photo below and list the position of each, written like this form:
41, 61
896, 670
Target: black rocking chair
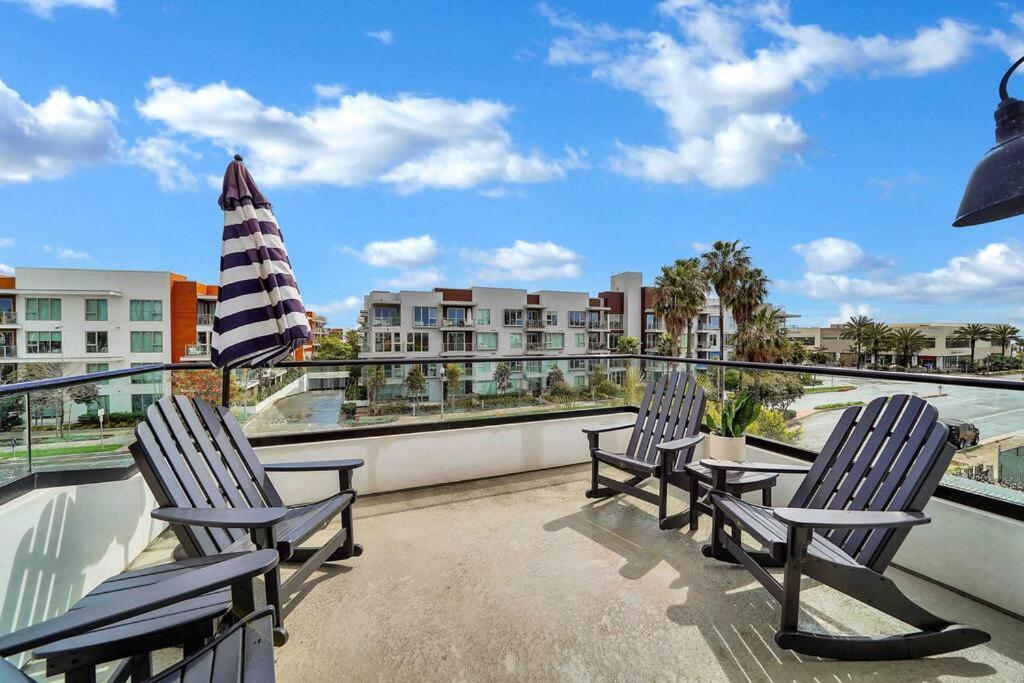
665, 433
213, 489
855, 506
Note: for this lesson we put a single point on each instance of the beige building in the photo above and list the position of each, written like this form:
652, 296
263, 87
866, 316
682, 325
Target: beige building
945, 351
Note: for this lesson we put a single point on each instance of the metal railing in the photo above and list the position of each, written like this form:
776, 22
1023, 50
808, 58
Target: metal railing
204, 320
1004, 505
8, 318
199, 350
597, 324
535, 324
8, 351
457, 322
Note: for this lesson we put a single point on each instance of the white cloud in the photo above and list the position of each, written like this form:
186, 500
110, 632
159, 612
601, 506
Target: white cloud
722, 99
836, 255
414, 279
6, 269
328, 91
65, 253
700, 247
403, 253
500, 192
384, 37
410, 142
162, 156
51, 139
336, 307
1011, 44
524, 261
6, 241
996, 269
847, 311
45, 8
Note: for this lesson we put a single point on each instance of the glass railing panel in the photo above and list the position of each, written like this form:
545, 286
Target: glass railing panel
15, 456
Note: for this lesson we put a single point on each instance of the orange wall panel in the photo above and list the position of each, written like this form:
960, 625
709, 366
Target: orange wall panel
184, 312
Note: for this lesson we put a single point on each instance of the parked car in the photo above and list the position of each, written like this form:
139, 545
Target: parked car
961, 432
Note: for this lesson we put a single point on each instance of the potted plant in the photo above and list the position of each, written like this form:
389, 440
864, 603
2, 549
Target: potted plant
726, 441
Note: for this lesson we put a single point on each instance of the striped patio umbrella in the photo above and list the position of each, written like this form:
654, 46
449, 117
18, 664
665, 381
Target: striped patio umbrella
260, 318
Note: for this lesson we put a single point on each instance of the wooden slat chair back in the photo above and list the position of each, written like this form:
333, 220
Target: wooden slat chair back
195, 455
886, 456
672, 408
662, 442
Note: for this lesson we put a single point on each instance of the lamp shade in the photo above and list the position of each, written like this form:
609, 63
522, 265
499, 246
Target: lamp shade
996, 187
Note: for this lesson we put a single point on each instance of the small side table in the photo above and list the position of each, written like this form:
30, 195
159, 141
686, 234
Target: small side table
736, 484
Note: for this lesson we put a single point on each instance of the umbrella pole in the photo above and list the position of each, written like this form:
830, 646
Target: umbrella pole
225, 388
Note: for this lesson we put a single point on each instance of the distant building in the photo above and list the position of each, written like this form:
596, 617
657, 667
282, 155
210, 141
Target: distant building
945, 351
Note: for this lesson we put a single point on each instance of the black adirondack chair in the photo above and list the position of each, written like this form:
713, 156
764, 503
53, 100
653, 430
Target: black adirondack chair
856, 504
217, 496
665, 432
130, 617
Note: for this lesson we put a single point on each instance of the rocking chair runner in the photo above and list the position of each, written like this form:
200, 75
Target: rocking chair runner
855, 506
665, 433
216, 494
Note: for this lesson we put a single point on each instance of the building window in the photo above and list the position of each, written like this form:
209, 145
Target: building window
613, 341
43, 342
386, 342
142, 401
533, 366
515, 340
147, 342
514, 317
581, 381
99, 402
417, 341
424, 316
90, 368
577, 318
515, 365
581, 340
95, 309
42, 309
578, 364
146, 310
552, 318
483, 316
147, 377
554, 340
387, 316
487, 341
95, 342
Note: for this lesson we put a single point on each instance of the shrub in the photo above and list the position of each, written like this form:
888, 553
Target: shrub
732, 379
771, 424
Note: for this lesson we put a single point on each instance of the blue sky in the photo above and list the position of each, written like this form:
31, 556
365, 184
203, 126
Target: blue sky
517, 144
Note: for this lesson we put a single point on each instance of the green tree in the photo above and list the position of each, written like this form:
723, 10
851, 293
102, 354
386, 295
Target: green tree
907, 343
681, 290
666, 345
724, 265
972, 333
747, 295
415, 384
771, 424
598, 380
1004, 335
374, 381
628, 344
796, 352
502, 377
762, 337
555, 378
856, 330
878, 338
329, 347
774, 389
452, 375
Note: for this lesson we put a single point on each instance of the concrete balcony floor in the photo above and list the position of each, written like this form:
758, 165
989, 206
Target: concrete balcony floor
522, 578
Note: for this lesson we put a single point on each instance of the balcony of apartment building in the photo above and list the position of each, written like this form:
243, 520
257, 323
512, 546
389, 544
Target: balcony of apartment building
197, 352
386, 315
457, 342
535, 323
599, 324
535, 342
484, 559
457, 320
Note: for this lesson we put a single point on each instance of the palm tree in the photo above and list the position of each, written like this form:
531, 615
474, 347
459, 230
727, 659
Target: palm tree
762, 337
1004, 335
878, 339
747, 295
972, 333
856, 329
907, 343
724, 266
681, 292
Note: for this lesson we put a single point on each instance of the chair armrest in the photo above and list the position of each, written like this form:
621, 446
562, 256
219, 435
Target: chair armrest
314, 466
848, 519
222, 518
780, 468
132, 602
609, 428
680, 444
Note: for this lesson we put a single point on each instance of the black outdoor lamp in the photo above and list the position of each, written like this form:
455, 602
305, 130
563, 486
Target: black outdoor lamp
996, 188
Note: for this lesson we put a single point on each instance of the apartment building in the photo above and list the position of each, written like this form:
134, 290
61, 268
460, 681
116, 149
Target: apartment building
945, 351
484, 322
77, 320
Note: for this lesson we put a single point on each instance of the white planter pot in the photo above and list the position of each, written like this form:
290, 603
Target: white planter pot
727, 447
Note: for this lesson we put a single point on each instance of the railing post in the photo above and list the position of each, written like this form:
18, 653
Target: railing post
28, 429
225, 388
